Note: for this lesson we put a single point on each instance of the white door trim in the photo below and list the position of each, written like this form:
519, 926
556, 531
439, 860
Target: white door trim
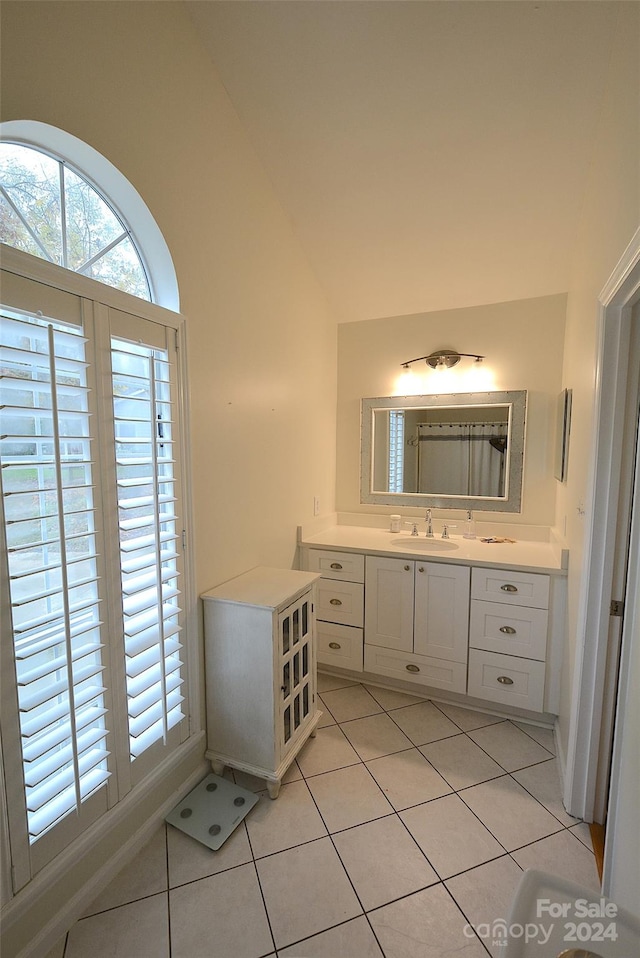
616, 299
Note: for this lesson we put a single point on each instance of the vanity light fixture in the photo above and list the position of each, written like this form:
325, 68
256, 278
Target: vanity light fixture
443, 359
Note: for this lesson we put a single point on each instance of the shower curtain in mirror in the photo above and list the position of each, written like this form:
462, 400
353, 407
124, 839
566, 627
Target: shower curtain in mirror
462, 459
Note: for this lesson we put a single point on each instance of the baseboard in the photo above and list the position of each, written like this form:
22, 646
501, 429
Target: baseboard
29, 905
561, 760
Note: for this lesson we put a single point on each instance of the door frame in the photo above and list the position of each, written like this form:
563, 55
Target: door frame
619, 294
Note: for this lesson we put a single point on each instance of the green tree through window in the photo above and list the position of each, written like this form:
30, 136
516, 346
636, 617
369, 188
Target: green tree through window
51, 211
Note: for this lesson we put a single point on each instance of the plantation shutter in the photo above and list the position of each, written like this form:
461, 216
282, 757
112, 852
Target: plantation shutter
49, 512
150, 532
93, 676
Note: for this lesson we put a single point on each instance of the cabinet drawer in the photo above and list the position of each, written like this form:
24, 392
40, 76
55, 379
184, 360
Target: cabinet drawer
506, 679
422, 669
340, 645
514, 588
341, 602
336, 565
514, 630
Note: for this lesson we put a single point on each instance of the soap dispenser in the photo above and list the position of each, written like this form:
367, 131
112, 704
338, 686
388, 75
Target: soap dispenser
470, 527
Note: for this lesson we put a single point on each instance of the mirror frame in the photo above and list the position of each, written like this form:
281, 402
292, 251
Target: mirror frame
516, 400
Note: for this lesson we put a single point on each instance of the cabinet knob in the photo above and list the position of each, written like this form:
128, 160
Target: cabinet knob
335, 565
335, 601
507, 629
421, 568
509, 588
334, 645
407, 568
412, 668
505, 680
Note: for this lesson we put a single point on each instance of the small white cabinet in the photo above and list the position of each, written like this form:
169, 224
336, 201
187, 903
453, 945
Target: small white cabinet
420, 609
260, 666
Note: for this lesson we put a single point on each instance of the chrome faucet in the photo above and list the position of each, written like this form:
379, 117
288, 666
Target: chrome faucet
429, 522
445, 530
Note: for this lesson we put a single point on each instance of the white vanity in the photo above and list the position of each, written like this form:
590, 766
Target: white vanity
474, 622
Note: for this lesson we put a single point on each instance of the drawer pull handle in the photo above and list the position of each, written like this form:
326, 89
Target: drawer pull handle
335, 565
335, 601
507, 629
334, 645
509, 588
505, 680
412, 668
407, 568
421, 568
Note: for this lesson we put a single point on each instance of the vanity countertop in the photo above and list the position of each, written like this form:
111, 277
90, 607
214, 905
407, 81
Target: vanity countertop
525, 555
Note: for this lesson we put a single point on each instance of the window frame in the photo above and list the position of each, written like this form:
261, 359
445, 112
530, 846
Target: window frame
117, 192
97, 300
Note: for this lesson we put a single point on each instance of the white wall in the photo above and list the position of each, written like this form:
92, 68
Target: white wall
132, 80
523, 345
611, 214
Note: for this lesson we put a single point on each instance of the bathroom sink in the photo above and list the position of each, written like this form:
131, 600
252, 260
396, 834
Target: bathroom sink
422, 544
550, 915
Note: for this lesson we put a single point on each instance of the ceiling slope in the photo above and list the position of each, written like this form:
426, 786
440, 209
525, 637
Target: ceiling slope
430, 155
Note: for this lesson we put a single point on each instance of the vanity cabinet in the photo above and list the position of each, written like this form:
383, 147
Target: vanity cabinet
487, 633
339, 608
421, 610
260, 669
508, 637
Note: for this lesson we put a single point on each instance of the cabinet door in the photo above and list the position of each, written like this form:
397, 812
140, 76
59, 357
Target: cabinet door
296, 672
389, 603
442, 611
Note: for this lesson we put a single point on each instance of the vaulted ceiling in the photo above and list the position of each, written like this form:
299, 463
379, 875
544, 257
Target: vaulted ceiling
430, 155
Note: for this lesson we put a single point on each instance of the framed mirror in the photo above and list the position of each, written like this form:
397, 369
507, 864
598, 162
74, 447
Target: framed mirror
455, 451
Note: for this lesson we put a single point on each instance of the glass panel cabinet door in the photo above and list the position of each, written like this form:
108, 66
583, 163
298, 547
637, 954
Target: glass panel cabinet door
296, 672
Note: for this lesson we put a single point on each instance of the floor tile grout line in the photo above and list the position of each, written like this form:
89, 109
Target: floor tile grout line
166, 852
416, 744
123, 904
264, 905
464, 914
395, 813
439, 705
532, 737
508, 851
577, 821
494, 759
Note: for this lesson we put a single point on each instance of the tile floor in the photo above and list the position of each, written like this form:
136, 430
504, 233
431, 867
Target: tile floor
402, 823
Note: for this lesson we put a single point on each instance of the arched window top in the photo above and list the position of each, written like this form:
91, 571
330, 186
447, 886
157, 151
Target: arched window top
64, 202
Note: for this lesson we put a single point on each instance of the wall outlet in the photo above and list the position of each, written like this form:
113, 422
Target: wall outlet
316, 505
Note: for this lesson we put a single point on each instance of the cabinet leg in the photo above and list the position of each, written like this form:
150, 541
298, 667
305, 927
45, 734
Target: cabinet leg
217, 766
274, 789
314, 732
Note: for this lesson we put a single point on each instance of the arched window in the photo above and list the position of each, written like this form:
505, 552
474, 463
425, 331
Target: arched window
64, 202
95, 574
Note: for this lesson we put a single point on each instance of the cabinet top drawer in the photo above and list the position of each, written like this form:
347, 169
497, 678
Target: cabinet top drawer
516, 588
336, 565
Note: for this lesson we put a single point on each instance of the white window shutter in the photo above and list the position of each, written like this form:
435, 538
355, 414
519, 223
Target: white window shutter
50, 525
149, 528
